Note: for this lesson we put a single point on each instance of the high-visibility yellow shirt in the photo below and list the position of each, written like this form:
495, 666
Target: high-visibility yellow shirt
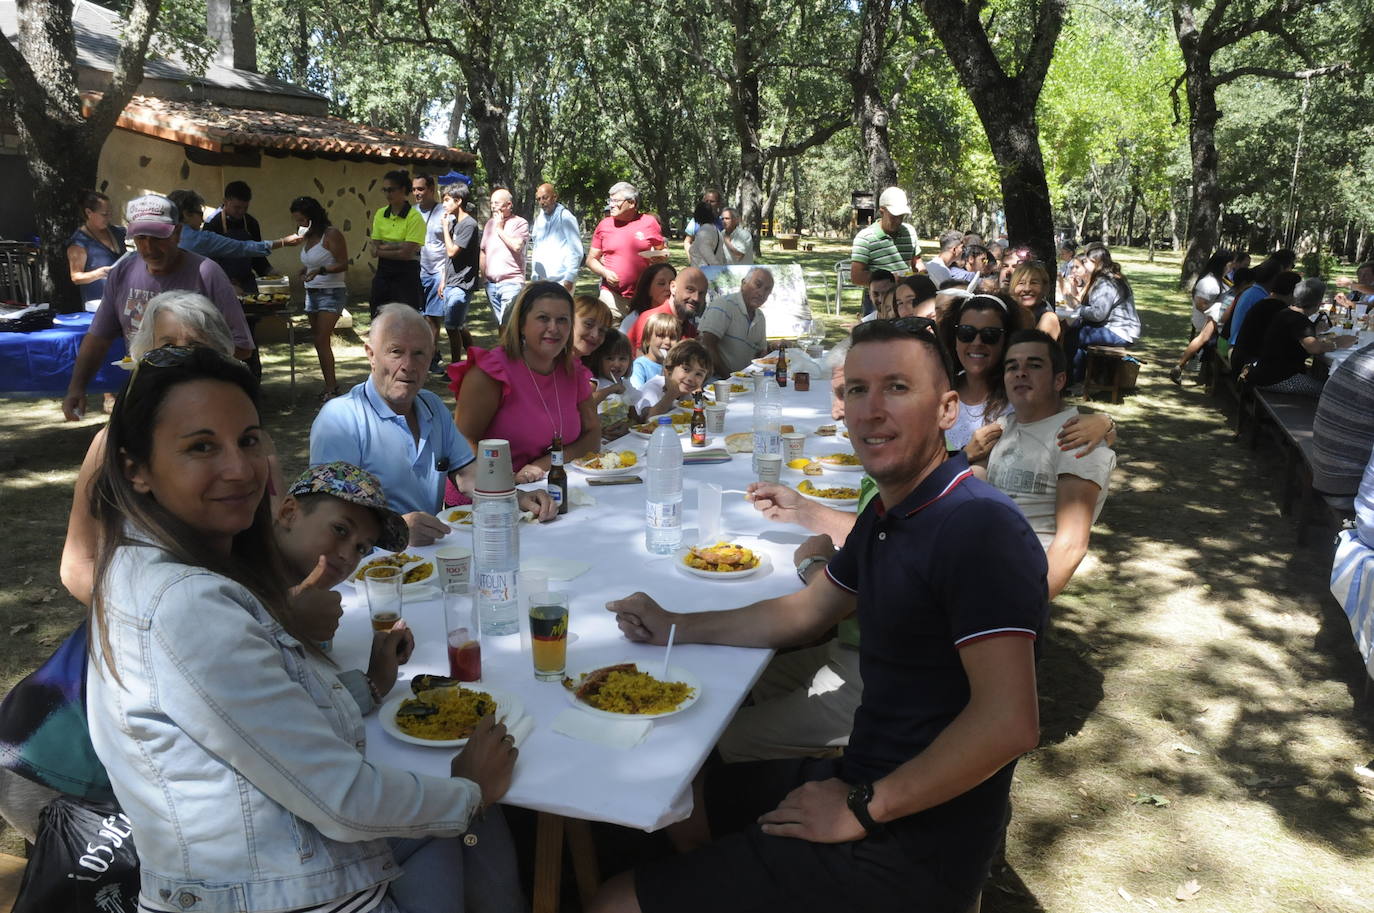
408, 226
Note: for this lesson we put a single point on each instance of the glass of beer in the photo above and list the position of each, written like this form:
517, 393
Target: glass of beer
464, 634
383, 586
549, 635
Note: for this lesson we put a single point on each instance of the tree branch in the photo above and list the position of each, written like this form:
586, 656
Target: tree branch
1271, 73
818, 136
128, 66
1048, 23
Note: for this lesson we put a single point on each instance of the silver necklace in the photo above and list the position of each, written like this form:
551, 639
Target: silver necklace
556, 427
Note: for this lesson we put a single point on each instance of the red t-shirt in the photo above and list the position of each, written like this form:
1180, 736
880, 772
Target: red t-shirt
636, 333
620, 244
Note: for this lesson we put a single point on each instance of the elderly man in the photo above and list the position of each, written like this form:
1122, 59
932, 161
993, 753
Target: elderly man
889, 243
503, 252
711, 197
687, 297
910, 816
556, 239
161, 266
733, 329
617, 245
1060, 493
735, 238
402, 433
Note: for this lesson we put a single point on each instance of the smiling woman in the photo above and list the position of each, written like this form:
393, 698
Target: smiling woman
530, 389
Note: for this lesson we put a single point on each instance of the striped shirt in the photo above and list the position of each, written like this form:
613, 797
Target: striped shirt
876, 249
1343, 429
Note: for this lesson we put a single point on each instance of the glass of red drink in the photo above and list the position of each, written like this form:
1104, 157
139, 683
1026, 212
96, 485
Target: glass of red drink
464, 634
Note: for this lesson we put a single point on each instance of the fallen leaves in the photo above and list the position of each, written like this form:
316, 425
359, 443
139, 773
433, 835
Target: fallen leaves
1189, 890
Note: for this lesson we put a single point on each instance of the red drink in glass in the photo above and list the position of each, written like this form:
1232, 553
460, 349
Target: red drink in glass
464, 656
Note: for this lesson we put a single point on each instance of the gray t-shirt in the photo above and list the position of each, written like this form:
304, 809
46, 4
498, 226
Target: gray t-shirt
433, 253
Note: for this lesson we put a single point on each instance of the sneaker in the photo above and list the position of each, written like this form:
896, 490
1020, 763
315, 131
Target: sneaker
1176, 375
436, 368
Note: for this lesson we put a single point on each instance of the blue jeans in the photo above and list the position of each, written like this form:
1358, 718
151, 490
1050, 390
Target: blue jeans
455, 307
442, 875
433, 307
501, 294
1092, 336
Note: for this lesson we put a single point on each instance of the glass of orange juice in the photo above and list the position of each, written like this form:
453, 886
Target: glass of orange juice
549, 635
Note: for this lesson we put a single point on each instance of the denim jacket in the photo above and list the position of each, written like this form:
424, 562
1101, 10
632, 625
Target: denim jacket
238, 755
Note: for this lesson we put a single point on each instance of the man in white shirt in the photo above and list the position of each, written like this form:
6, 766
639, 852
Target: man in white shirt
1061, 494
738, 243
556, 239
951, 247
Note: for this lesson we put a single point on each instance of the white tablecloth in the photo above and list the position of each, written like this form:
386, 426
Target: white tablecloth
1335, 358
648, 786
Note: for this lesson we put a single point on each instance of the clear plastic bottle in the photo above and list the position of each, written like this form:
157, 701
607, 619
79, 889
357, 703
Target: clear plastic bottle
767, 419
663, 497
496, 561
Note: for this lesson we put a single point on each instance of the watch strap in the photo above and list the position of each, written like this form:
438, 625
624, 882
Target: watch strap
857, 800
808, 563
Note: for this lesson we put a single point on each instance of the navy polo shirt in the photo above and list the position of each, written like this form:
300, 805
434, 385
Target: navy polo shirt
953, 563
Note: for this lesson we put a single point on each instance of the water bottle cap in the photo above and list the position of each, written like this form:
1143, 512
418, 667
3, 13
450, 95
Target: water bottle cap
664, 419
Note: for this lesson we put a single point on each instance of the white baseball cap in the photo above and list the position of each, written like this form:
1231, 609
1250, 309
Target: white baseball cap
152, 216
893, 200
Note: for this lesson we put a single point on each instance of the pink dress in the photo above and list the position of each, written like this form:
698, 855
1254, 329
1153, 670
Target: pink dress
523, 418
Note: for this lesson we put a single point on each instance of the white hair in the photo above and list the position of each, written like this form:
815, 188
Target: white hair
394, 316
624, 189
192, 310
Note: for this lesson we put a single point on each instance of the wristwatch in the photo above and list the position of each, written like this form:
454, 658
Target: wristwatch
807, 564
857, 800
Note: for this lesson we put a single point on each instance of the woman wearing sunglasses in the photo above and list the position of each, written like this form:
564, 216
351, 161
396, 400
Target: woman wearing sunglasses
976, 330
227, 737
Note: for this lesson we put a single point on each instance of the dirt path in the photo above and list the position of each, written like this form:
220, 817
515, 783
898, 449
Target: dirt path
1201, 696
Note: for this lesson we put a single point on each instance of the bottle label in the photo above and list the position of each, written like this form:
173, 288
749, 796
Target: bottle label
496, 587
556, 458
658, 515
556, 494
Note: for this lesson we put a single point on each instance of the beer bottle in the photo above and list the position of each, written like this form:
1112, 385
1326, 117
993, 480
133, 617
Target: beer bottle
558, 476
698, 422
781, 369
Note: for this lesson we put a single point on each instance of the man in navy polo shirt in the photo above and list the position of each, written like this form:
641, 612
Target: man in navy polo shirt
949, 583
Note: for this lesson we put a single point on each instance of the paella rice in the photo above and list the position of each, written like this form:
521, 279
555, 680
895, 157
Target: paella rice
632, 691
441, 714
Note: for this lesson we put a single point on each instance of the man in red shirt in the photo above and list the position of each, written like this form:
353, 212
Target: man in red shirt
686, 302
617, 244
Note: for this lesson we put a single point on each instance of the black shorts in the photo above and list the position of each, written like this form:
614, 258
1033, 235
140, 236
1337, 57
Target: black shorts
923, 863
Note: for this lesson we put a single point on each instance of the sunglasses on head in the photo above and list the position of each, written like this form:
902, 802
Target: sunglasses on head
967, 333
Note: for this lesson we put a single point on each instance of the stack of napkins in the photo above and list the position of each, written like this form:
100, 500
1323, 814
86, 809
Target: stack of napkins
693, 457
625, 734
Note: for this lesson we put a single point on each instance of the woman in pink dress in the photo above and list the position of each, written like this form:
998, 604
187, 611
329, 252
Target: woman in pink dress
529, 389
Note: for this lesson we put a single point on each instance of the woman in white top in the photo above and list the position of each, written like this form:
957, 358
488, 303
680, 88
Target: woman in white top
1206, 313
324, 261
707, 249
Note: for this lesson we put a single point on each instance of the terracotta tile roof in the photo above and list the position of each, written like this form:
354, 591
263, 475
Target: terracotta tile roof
217, 128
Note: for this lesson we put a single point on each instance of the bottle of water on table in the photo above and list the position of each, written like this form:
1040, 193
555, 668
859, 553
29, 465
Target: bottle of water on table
663, 497
767, 419
496, 561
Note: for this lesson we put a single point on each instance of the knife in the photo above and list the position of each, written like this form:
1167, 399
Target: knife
616, 480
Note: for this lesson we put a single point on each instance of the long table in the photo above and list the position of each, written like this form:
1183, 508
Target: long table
40, 363
647, 787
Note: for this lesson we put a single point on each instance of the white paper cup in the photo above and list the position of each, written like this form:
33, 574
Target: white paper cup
770, 466
793, 446
494, 474
722, 391
715, 419
455, 565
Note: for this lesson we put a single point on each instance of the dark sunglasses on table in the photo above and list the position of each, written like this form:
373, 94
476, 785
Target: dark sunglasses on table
967, 333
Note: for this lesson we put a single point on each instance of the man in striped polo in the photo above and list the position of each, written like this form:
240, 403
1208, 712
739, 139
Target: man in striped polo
889, 243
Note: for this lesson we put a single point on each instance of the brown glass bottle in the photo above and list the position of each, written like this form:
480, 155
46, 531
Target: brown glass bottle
781, 369
698, 422
558, 476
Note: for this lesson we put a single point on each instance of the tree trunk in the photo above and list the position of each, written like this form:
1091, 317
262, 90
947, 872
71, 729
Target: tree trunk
1006, 107
488, 108
1174, 241
871, 115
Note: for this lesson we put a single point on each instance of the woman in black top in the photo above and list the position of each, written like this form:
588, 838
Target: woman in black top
1282, 361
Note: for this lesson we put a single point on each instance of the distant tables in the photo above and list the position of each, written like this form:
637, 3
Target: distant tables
40, 364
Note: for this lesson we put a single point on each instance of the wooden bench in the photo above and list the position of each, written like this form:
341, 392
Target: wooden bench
1110, 368
1289, 420
11, 874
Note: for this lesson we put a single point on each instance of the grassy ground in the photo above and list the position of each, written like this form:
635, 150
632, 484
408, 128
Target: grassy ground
1201, 698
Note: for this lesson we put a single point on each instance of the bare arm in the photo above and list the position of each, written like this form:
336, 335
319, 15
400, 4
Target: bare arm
78, 552
1316, 345
511, 239
478, 400
88, 359
712, 343
1050, 325
859, 274
396, 250
595, 265
76, 265
782, 504
1075, 499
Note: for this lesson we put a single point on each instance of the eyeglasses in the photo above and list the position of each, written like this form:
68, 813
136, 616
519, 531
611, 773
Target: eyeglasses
967, 333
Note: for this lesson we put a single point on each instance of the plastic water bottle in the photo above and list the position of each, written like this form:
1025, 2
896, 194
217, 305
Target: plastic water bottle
496, 561
767, 419
663, 499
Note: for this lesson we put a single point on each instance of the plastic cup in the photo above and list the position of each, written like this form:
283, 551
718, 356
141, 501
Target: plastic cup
708, 513
455, 565
549, 633
793, 446
494, 473
464, 634
770, 466
715, 419
383, 587
722, 392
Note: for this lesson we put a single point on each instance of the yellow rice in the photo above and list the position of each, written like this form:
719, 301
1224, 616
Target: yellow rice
460, 709
638, 692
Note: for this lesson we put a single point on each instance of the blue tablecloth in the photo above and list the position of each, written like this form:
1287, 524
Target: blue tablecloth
40, 364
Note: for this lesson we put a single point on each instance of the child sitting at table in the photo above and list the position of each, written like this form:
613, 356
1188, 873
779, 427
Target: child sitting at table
660, 332
684, 371
614, 393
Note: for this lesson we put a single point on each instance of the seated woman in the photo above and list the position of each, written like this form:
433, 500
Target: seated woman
171, 319
652, 289
1207, 308
1029, 284
1107, 315
530, 389
1280, 365
226, 737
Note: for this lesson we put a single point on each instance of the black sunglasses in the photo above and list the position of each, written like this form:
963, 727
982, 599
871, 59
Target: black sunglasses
967, 333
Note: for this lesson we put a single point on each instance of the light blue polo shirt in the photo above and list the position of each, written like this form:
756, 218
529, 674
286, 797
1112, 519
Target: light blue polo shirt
360, 428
